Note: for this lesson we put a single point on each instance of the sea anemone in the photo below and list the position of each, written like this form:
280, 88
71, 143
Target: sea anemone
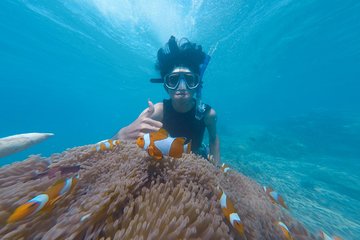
123, 194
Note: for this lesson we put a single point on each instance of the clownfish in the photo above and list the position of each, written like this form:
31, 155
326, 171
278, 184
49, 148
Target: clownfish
324, 236
285, 230
224, 168
44, 201
159, 144
274, 196
105, 145
61, 188
230, 214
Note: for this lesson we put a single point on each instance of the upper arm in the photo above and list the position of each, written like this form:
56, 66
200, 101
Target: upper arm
210, 122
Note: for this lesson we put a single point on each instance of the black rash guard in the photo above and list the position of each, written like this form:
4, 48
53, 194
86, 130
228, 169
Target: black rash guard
184, 124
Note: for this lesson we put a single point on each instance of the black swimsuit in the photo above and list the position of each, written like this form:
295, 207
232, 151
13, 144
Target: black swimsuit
185, 124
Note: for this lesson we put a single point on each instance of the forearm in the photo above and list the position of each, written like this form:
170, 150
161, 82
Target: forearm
120, 134
215, 150
128, 133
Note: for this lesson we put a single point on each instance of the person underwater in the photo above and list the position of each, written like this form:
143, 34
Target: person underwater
181, 65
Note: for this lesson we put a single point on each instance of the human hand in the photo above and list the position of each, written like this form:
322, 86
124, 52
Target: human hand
145, 121
142, 125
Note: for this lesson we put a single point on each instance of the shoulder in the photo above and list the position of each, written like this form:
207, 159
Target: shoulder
210, 117
159, 106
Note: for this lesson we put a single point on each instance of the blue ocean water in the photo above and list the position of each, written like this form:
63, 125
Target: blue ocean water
284, 80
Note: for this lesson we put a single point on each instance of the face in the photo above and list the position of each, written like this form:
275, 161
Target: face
182, 92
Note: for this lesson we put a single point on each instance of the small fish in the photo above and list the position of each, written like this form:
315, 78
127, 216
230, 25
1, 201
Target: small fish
159, 144
16, 143
274, 196
108, 144
44, 201
324, 236
285, 230
51, 172
230, 214
61, 188
224, 168
29, 208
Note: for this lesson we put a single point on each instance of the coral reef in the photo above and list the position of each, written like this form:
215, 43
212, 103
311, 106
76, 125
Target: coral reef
124, 194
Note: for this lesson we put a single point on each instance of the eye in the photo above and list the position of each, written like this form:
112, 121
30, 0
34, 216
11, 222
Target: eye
191, 80
173, 79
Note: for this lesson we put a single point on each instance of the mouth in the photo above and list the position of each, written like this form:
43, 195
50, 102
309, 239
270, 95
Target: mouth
181, 93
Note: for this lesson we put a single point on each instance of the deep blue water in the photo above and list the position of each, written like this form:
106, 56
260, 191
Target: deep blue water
284, 80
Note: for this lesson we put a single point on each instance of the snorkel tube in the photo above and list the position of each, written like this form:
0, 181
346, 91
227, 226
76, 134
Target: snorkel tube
200, 106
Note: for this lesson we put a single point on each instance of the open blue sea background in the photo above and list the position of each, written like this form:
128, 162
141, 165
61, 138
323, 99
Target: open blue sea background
284, 80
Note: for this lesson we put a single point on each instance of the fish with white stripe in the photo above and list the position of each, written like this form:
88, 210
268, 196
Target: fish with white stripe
159, 144
275, 197
225, 168
230, 213
44, 201
107, 144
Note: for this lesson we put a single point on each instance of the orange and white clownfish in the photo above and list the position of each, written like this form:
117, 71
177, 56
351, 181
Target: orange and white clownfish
224, 168
285, 230
105, 145
324, 236
230, 214
159, 144
44, 201
61, 188
274, 196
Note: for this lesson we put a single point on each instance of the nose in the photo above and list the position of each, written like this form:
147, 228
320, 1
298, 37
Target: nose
182, 84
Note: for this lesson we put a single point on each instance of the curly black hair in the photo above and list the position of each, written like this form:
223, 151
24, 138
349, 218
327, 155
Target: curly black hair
183, 53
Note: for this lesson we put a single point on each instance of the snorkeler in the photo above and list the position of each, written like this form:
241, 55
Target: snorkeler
181, 65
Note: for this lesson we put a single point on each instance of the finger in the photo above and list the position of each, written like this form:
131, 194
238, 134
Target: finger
151, 108
153, 122
149, 128
148, 112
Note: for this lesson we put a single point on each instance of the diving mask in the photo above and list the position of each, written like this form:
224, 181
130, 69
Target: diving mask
172, 80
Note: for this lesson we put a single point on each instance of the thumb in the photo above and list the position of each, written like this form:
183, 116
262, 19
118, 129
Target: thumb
151, 108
